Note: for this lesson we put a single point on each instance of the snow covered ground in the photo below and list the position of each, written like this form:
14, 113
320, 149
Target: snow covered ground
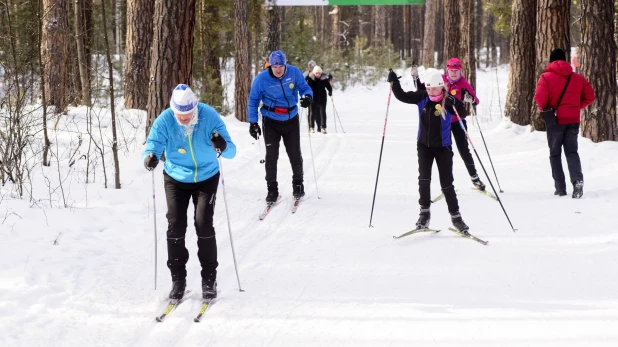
322, 277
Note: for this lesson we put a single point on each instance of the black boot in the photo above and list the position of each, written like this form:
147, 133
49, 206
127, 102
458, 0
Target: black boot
273, 192
209, 289
578, 189
423, 218
560, 192
477, 182
299, 191
178, 289
458, 222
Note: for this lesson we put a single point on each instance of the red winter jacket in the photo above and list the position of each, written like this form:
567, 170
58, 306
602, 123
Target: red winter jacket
578, 95
462, 83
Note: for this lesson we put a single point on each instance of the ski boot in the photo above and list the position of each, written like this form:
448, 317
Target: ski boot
458, 223
578, 189
324, 131
178, 289
423, 219
477, 183
273, 193
209, 289
560, 192
298, 191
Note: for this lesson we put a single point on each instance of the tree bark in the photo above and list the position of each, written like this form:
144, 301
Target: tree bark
172, 53
522, 81
417, 22
429, 34
598, 52
468, 39
479, 30
137, 53
335, 25
55, 50
452, 35
112, 104
552, 31
81, 54
380, 25
274, 28
242, 82
212, 89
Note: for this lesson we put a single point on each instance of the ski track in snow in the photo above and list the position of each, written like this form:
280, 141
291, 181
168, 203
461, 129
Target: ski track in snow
322, 277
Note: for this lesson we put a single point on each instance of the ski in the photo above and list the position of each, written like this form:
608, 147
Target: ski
416, 231
171, 306
486, 193
295, 206
205, 305
467, 235
269, 206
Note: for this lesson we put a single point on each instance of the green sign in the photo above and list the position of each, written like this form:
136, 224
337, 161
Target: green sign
342, 2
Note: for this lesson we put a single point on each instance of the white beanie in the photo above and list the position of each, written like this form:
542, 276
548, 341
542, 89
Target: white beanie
183, 100
317, 69
434, 80
311, 63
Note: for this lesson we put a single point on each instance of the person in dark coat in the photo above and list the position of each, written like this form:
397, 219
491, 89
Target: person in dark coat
578, 94
320, 85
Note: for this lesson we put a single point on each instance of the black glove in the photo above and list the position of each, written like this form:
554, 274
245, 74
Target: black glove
218, 143
254, 130
330, 77
330, 93
150, 162
305, 101
450, 101
392, 76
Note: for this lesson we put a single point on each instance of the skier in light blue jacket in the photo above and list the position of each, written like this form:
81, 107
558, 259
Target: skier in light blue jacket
192, 135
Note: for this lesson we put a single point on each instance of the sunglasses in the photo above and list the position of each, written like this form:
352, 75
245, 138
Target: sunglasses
457, 65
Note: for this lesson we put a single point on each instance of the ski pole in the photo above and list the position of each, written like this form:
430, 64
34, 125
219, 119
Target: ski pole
154, 208
482, 166
260, 145
227, 212
336, 114
388, 104
312, 157
478, 124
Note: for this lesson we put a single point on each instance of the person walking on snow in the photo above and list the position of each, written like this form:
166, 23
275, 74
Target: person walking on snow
278, 88
435, 109
578, 94
320, 86
186, 133
458, 86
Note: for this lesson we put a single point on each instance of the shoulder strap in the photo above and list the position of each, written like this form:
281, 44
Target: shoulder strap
564, 90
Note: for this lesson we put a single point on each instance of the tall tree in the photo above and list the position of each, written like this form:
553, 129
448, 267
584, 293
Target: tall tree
452, 38
417, 22
209, 25
380, 25
172, 52
552, 31
439, 29
335, 25
242, 82
81, 53
274, 28
479, 30
137, 53
55, 50
429, 34
598, 52
521, 73
468, 40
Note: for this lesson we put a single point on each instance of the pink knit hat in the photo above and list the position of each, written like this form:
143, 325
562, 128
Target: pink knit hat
453, 64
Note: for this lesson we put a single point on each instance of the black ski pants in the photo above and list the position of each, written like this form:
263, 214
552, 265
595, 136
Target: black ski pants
289, 131
444, 160
317, 115
559, 136
462, 146
203, 194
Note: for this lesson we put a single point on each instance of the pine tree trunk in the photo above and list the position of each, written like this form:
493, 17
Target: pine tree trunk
468, 39
55, 50
429, 34
81, 54
380, 25
335, 26
242, 83
172, 53
522, 81
87, 32
439, 29
118, 27
552, 31
274, 29
598, 53
452, 39
417, 21
478, 30
137, 53
505, 49
212, 89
